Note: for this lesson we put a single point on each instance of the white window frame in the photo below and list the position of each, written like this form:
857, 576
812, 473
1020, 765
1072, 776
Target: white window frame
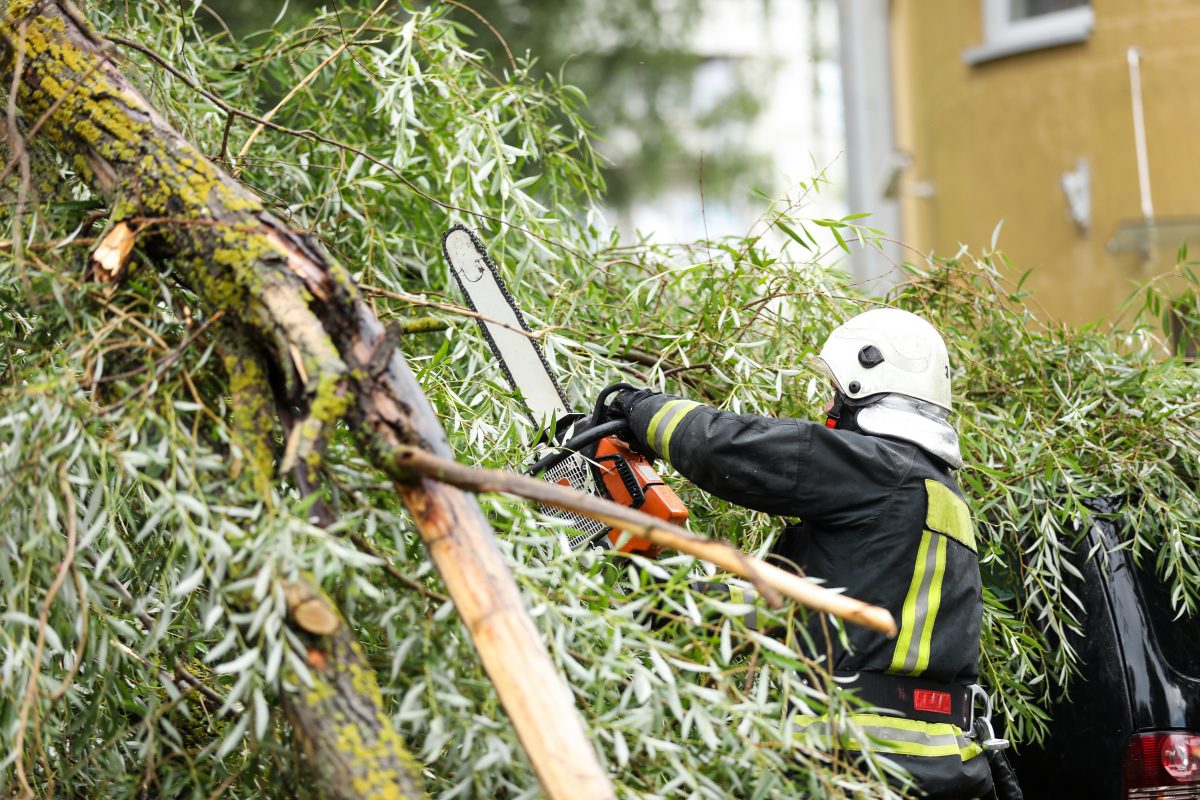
1006, 37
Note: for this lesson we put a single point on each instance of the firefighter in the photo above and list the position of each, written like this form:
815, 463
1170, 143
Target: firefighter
882, 516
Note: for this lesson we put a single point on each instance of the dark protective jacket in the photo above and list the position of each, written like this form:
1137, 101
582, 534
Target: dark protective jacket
882, 519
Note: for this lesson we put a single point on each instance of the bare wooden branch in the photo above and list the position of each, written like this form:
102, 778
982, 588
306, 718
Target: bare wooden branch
490, 607
767, 577
112, 255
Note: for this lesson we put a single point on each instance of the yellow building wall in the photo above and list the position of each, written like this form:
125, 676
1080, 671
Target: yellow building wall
991, 141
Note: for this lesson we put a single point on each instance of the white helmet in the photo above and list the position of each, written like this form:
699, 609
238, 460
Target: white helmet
886, 352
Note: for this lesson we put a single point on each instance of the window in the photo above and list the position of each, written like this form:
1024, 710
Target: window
1019, 26
1023, 9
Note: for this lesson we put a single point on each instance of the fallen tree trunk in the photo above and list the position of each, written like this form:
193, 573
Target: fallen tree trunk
278, 287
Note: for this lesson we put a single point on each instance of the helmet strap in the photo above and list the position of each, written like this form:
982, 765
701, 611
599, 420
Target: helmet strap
841, 415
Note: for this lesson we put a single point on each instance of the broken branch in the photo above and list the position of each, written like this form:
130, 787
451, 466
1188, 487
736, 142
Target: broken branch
768, 578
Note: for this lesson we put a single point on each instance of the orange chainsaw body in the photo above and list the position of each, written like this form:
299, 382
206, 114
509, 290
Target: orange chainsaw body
631, 481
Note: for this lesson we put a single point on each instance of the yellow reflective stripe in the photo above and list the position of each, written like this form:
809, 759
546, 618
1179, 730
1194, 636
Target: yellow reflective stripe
668, 414
969, 750
947, 514
668, 418
877, 740
911, 748
902, 724
657, 419
908, 615
673, 424
739, 595
906, 737
935, 602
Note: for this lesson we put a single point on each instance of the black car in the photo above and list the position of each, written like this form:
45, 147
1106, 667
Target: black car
1131, 726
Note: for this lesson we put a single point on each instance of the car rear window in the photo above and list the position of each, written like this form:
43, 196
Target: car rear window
1178, 639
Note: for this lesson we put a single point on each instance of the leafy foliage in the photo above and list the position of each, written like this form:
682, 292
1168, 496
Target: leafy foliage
638, 62
635, 59
129, 519
122, 471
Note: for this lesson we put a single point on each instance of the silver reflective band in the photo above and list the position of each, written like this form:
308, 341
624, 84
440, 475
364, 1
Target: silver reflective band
899, 736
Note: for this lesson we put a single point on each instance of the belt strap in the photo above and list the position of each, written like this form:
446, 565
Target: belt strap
913, 698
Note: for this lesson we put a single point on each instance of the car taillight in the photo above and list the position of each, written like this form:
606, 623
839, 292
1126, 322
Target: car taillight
1163, 766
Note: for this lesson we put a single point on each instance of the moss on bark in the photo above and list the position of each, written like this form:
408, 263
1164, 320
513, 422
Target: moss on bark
337, 712
230, 251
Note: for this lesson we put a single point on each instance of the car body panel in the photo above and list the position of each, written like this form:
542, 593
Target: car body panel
1129, 649
1082, 756
1161, 697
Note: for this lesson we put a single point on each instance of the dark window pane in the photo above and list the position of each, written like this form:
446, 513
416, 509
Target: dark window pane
1022, 9
1179, 639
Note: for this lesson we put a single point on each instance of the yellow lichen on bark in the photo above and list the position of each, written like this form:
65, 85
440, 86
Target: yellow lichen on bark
229, 250
356, 743
251, 411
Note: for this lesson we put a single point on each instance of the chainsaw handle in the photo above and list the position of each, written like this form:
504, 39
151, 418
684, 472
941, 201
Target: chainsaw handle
592, 435
601, 410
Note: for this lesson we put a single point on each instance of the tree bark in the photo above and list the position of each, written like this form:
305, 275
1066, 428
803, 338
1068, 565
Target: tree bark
281, 288
338, 717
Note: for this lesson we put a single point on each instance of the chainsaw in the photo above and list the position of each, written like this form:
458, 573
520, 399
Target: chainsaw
585, 451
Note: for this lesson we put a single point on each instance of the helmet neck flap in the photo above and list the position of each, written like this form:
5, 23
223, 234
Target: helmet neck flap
899, 417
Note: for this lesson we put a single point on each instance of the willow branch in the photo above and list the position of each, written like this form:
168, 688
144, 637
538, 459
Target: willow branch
307, 79
770, 580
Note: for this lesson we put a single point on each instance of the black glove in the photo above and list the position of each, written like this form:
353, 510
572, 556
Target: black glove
624, 401
1004, 777
615, 404
616, 401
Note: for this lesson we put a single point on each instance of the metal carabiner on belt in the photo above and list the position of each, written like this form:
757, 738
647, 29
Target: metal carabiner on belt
980, 728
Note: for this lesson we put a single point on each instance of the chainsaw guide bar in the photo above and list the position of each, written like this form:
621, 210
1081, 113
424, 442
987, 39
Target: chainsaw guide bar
504, 327
524, 364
